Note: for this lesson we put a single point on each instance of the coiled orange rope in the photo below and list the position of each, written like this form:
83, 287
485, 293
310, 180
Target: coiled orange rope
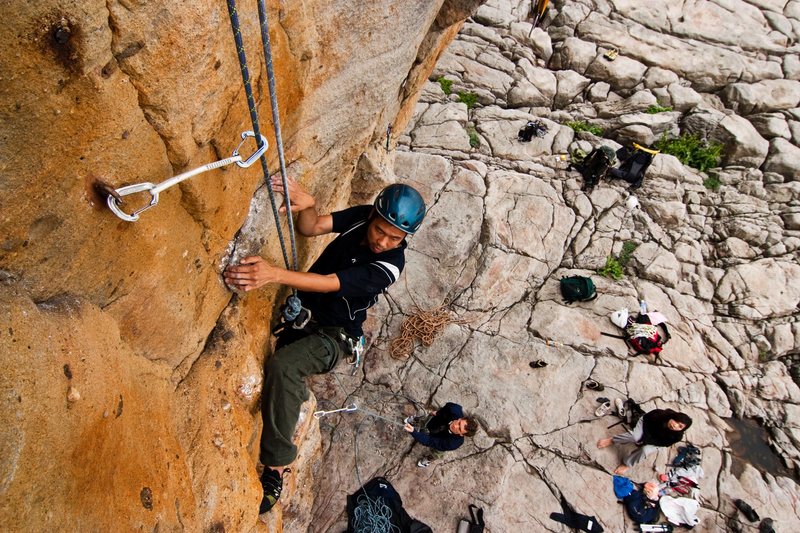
423, 326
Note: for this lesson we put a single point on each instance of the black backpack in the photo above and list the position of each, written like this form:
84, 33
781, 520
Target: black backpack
596, 165
640, 509
475, 523
532, 129
577, 289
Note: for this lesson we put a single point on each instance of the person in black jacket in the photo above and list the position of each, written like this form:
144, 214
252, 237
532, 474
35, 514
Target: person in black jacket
442, 431
365, 258
658, 428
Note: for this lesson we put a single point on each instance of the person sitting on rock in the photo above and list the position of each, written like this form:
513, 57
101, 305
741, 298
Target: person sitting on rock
441, 431
658, 428
346, 280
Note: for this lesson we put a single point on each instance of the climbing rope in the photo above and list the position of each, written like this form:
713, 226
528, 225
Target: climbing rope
276, 121
372, 516
115, 196
251, 104
422, 325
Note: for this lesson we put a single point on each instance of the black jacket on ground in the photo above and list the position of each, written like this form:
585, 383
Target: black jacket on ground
656, 432
438, 436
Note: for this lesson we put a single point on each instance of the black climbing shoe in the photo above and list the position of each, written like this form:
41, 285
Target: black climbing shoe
766, 526
594, 385
746, 510
272, 485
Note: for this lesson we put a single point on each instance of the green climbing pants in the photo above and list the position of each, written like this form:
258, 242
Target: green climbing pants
285, 390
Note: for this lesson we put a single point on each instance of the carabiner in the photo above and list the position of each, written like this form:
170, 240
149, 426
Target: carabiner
349, 409
114, 203
256, 155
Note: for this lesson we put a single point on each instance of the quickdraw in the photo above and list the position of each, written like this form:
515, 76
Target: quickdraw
115, 198
349, 409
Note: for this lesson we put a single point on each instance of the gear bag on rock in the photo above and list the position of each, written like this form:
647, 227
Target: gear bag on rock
646, 338
577, 289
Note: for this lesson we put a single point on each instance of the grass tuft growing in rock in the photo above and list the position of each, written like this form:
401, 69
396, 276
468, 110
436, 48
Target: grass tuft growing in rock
615, 266
712, 182
445, 84
468, 98
655, 108
612, 269
579, 125
691, 150
474, 140
625, 254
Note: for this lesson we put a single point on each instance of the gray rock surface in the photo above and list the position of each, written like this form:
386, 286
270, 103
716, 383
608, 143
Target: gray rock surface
509, 219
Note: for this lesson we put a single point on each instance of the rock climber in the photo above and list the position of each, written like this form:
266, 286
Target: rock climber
441, 431
657, 428
361, 262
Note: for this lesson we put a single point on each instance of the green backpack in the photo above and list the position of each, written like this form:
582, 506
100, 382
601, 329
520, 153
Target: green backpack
577, 289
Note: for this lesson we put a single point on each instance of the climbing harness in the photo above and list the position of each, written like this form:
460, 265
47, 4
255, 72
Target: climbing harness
115, 200
357, 347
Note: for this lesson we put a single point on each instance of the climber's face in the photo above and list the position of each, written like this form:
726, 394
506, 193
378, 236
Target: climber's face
459, 427
382, 236
674, 425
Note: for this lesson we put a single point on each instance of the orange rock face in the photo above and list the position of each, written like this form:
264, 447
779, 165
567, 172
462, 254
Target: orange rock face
131, 382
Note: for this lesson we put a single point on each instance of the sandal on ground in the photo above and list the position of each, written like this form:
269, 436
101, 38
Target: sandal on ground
604, 409
620, 405
538, 363
746, 510
272, 485
594, 385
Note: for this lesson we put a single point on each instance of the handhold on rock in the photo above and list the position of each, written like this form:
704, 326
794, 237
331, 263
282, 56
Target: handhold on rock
632, 203
73, 395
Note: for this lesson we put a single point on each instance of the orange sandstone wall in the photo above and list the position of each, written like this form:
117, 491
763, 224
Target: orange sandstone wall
131, 375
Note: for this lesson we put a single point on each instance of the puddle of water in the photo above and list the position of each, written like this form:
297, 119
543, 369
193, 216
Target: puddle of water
749, 443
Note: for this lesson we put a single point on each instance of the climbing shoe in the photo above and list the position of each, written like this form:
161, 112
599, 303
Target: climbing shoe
272, 485
766, 526
594, 385
746, 510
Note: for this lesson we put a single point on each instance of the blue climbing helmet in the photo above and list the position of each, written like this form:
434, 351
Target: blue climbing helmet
402, 207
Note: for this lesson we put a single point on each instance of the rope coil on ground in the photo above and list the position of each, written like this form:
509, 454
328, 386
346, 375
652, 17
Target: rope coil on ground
372, 516
424, 326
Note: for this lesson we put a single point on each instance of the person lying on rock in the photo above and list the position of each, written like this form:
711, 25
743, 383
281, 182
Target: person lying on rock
361, 262
655, 429
441, 431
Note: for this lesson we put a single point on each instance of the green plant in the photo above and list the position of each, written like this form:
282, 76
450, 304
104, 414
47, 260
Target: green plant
625, 254
655, 108
579, 125
474, 140
468, 98
712, 182
612, 268
445, 84
691, 150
